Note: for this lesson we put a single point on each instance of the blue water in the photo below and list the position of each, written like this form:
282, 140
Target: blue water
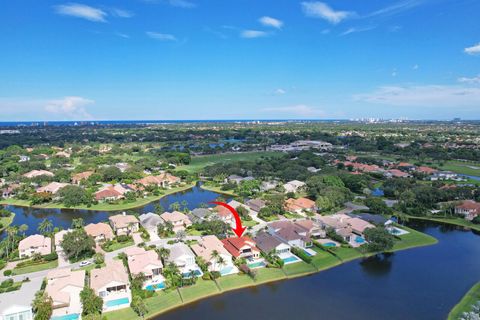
476, 178
74, 316
308, 253
154, 287
329, 244
117, 302
359, 240
377, 192
63, 217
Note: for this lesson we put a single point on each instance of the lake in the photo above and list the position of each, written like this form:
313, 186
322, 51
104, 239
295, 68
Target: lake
63, 217
421, 283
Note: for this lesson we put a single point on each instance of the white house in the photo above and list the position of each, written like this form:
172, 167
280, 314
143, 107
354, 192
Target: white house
183, 257
206, 248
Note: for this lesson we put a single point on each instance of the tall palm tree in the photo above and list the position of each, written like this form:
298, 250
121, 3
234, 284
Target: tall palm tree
163, 253
45, 226
221, 262
77, 223
214, 256
11, 234
23, 228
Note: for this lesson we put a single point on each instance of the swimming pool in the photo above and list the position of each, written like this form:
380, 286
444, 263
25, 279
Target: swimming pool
258, 264
329, 244
117, 302
290, 259
154, 287
226, 270
74, 316
359, 239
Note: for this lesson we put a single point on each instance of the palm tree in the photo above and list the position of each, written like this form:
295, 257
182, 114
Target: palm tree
221, 262
45, 226
11, 234
163, 253
175, 206
77, 223
23, 228
214, 256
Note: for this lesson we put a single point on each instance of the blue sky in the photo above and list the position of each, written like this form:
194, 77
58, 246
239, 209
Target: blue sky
239, 59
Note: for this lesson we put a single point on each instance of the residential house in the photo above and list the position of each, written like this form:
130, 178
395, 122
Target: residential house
234, 179
58, 239
242, 247
426, 170
256, 204
141, 261
271, 244
163, 180
122, 166
469, 209
300, 205
150, 221
199, 215
206, 248
293, 186
291, 233
99, 231
62, 154
312, 228
112, 285
17, 305
115, 192
223, 214
34, 244
38, 173
123, 224
395, 173
184, 258
444, 175
179, 220
351, 229
52, 187
10, 191
79, 177
268, 185
64, 287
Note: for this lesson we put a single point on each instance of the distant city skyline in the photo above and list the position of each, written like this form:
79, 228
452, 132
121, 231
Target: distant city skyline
226, 60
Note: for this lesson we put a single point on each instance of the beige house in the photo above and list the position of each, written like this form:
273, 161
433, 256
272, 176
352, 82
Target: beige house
124, 224
179, 220
79, 177
52, 187
206, 248
99, 231
34, 244
148, 263
38, 173
64, 287
111, 284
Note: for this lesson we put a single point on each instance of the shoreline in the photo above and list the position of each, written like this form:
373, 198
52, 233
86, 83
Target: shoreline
465, 304
426, 240
100, 207
451, 221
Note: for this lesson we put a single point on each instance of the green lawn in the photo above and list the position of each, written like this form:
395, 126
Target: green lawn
15, 286
249, 223
119, 245
324, 260
471, 169
413, 239
347, 254
35, 268
200, 162
455, 221
269, 274
218, 190
234, 282
6, 221
298, 269
465, 305
202, 288
104, 206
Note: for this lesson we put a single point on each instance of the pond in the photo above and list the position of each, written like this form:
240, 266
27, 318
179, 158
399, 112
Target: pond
421, 283
63, 217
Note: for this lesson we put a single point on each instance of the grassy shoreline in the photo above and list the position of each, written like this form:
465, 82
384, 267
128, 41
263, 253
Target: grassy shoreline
465, 304
452, 221
6, 221
324, 260
101, 206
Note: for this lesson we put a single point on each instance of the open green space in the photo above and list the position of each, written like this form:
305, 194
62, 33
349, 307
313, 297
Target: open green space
201, 289
298, 269
35, 268
465, 305
6, 221
468, 168
413, 239
324, 260
347, 254
200, 162
118, 245
234, 281
269, 274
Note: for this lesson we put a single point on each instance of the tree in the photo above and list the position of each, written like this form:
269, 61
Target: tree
175, 206
42, 306
248, 188
45, 227
77, 223
99, 258
379, 239
377, 206
78, 244
91, 303
163, 253
139, 306
22, 229
158, 208
74, 196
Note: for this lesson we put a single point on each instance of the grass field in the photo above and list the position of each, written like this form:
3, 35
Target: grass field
465, 305
471, 169
347, 254
269, 274
413, 239
201, 289
35, 268
324, 260
234, 282
200, 162
298, 269
101, 206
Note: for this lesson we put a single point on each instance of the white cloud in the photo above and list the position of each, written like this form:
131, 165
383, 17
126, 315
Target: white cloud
396, 8
473, 80
356, 30
323, 11
81, 11
70, 107
424, 96
280, 91
182, 3
473, 50
161, 36
415, 67
299, 110
251, 34
122, 13
271, 22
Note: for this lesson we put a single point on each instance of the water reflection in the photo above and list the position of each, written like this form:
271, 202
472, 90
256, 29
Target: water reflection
378, 265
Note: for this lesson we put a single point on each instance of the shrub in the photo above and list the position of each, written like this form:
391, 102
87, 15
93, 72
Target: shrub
50, 257
302, 255
7, 273
123, 238
6, 283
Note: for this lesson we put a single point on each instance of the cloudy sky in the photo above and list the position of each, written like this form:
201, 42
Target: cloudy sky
239, 59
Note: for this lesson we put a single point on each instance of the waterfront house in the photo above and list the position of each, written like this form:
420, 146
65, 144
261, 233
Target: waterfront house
112, 192
313, 229
163, 180
293, 186
10, 190
64, 287
290, 233
256, 204
269, 243
223, 214
469, 209
206, 248
241, 247
52, 187
199, 214
38, 173
150, 221
300, 205
184, 258
79, 177
58, 238
123, 224
34, 244
141, 261
99, 231
179, 220
112, 285
395, 173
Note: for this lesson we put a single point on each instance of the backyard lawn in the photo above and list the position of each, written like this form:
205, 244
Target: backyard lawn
269, 274
234, 281
298, 269
202, 288
413, 239
465, 305
347, 254
324, 260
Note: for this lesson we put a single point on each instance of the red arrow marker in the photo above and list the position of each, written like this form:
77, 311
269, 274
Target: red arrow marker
239, 230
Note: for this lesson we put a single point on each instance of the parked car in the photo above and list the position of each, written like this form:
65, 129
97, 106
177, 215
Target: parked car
85, 263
